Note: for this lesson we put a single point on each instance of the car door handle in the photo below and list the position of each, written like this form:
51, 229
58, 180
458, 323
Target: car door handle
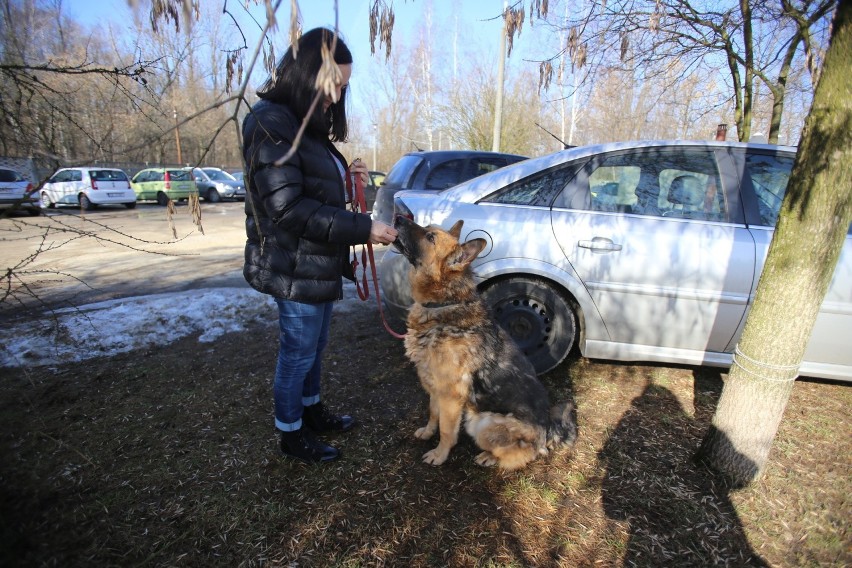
600, 244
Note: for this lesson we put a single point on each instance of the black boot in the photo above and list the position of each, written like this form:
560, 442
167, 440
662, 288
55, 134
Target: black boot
301, 444
319, 419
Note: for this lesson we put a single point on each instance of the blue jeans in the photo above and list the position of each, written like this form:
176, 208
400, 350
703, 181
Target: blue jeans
303, 333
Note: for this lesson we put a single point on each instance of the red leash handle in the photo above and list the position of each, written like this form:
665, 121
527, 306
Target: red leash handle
355, 191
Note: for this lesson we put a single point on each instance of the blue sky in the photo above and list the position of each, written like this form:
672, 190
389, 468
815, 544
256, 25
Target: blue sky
474, 19
475, 24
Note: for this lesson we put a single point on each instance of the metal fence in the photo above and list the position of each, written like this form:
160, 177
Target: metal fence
38, 170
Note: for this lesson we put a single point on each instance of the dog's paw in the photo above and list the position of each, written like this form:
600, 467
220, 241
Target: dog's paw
424, 433
435, 457
485, 459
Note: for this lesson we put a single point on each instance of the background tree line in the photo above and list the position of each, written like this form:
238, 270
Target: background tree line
75, 93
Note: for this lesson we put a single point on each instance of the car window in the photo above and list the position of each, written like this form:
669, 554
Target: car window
10, 175
218, 175
769, 176
107, 175
445, 175
482, 165
75, 175
682, 183
180, 175
155, 176
538, 190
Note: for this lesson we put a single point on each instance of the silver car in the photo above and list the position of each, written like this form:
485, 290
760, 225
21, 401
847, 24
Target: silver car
17, 192
646, 251
215, 184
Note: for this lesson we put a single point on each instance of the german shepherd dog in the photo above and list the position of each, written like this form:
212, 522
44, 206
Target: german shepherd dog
467, 363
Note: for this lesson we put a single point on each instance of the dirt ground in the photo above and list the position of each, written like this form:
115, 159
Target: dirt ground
168, 457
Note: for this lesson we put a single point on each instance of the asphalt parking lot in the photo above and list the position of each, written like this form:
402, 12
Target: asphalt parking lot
69, 257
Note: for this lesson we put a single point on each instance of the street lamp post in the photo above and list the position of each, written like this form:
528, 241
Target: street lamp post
177, 138
375, 143
501, 67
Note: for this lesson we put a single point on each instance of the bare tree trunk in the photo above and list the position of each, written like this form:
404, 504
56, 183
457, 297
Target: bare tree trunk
815, 217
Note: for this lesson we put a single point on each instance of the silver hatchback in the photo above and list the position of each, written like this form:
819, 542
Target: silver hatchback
215, 184
646, 251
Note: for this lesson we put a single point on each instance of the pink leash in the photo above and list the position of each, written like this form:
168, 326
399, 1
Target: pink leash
359, 204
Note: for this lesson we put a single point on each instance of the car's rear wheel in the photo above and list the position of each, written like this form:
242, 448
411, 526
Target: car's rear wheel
131, 205
162, 199
537, 316
213, 196
46, 202
86, 203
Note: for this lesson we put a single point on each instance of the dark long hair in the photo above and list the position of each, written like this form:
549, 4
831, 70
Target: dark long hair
293, 84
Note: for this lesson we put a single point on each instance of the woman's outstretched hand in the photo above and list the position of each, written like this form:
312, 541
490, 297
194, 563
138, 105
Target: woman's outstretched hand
382, 234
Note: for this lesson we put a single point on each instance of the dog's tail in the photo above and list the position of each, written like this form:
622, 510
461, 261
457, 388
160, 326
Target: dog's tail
562, 431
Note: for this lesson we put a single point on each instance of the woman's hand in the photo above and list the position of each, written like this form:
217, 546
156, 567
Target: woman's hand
382, 234
359, 167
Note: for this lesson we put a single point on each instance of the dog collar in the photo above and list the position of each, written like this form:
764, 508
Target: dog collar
435, 305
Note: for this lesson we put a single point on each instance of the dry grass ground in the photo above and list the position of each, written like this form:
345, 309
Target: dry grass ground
167, 457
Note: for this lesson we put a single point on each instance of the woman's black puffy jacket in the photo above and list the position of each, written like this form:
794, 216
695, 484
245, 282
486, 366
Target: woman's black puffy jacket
298, 244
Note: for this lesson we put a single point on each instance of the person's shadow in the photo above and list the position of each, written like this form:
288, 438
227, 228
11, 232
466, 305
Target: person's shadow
677, 511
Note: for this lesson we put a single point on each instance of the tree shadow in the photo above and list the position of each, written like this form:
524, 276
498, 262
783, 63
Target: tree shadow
677, 511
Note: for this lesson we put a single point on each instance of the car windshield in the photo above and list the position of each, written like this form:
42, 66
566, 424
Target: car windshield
401, 170
10, 175
107, 175
218, 175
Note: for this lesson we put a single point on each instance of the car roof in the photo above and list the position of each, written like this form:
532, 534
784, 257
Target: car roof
90, 168
447, 154
474, 188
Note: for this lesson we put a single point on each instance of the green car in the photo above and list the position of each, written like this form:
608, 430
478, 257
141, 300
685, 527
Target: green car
163, 184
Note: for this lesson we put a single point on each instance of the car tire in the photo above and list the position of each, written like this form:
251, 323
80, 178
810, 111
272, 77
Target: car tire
162, 199
46, 202
86, 203
131, 205
213, 196
34, 212
537, 316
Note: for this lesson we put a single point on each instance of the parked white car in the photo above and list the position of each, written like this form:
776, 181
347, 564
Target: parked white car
87, 188
642, 251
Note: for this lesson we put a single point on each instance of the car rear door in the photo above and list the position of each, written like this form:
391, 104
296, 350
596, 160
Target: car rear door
181, 183
112, 182
657, 235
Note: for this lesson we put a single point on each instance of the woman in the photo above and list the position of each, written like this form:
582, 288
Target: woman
299, 231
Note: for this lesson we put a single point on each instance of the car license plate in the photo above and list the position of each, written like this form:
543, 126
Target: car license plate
113, 195
5, 189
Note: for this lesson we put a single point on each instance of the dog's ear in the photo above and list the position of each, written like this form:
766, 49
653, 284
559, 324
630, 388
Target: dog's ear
467, 252
455, 230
